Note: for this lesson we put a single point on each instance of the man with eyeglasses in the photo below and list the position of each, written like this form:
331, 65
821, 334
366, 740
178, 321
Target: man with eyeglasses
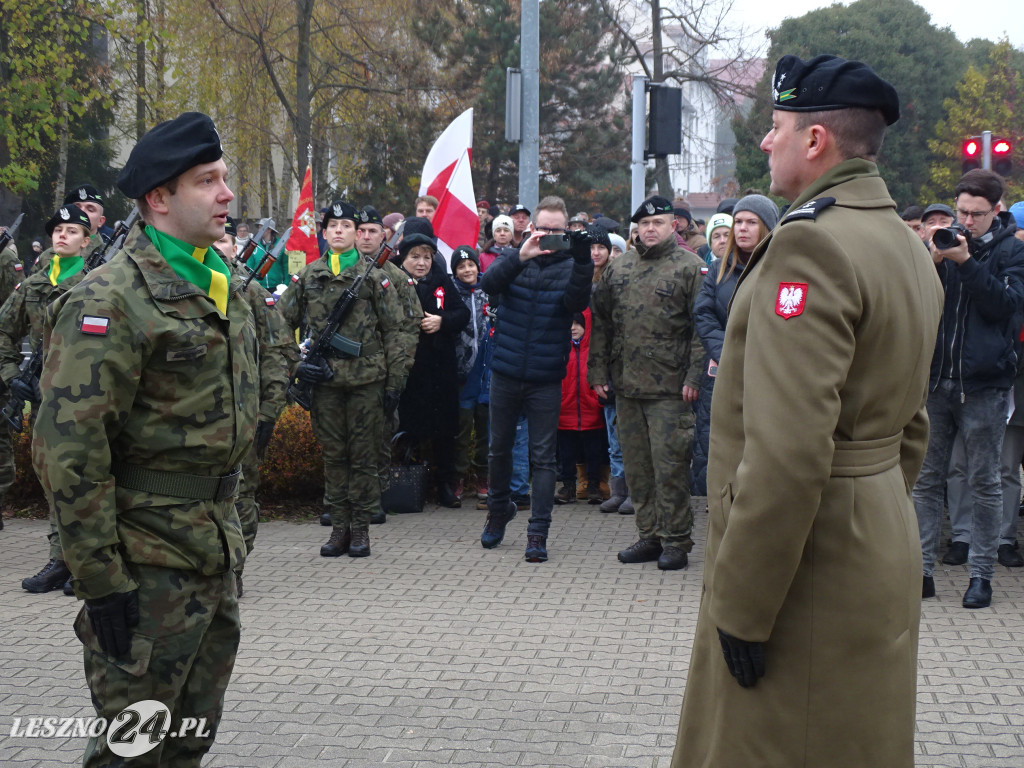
537, 291
975, 362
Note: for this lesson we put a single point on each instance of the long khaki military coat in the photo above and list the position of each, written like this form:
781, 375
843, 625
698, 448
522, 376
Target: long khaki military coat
818, 431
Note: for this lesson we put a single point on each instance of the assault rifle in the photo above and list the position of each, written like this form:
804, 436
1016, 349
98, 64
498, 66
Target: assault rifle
14, 409
269, 259
101, 255
7, 236
330, 341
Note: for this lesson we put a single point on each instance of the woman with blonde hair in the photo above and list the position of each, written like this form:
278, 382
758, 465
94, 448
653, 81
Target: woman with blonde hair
753, 218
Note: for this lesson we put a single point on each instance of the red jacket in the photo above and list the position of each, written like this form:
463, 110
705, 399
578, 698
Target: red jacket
580, 409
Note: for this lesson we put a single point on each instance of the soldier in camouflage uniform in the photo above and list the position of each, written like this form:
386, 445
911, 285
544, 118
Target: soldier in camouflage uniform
351, 393
88, 199
11, 272
369, 237
646, 296
23, 314
159, 350
278, 355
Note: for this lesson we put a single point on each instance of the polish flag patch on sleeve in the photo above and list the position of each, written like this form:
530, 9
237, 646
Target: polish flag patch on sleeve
271, 300
19, 267
295, 278
97, 326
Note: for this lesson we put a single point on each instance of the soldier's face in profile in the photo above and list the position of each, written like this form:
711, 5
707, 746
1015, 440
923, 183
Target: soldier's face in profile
226, 245
786, 149
198, 209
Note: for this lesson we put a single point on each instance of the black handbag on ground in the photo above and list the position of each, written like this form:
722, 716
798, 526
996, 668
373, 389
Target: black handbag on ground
408, 481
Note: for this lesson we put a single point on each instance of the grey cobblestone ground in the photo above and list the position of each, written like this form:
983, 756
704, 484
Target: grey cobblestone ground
434, 652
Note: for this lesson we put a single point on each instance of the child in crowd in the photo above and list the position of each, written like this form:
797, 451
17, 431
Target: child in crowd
472, 350
581, 428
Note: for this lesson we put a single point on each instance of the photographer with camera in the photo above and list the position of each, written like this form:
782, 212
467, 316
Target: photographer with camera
537, 289
981, 266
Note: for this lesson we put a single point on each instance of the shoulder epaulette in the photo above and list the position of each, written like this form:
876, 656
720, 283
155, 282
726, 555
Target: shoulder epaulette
810, 209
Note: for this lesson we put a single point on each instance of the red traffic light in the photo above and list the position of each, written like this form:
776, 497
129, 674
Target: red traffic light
1001, 147
972, 147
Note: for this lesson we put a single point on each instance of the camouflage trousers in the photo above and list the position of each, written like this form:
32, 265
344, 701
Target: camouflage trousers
182, 654
656, 437
245, 500
389, 425
348, 423
7, 469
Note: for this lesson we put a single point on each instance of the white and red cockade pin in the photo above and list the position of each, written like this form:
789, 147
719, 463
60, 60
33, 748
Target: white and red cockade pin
439, 295
791, 299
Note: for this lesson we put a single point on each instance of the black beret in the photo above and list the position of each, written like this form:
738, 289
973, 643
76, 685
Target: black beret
83, 193
652, 206
599, 235
829, 82
340, 209
167, 151
369, 215
231, 228
464, 253
68, 214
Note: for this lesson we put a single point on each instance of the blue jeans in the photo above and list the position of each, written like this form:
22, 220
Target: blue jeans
981, 417
541, 404
520, 485
614, 452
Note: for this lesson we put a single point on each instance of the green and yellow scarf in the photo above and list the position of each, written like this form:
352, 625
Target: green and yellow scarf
339, 261
63, 267
200, 266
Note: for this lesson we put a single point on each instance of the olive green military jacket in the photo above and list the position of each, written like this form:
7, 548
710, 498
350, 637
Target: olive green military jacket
142, 369
12, 271
24, 313
412, 309
644, 340
277, 348
376, 321
818, 432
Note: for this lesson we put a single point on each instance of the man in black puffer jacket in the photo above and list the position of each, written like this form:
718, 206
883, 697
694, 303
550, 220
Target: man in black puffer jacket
537, 293
973, 368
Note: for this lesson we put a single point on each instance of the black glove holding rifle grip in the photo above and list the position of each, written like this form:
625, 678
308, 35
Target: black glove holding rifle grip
26, 387
314, 373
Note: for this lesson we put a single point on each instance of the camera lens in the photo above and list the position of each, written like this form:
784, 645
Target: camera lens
944, 238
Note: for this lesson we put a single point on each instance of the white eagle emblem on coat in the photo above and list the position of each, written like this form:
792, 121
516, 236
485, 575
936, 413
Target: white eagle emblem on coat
791, 298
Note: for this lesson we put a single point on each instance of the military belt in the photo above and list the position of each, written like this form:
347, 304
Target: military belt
860, 458
177, 484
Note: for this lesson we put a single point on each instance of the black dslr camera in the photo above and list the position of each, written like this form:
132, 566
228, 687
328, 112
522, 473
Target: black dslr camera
945, 237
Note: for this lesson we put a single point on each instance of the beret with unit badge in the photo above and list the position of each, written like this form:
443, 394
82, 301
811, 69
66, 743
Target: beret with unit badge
829, 82
167, 151
370, 215
652, 206
83, 193
68, 214
340, 209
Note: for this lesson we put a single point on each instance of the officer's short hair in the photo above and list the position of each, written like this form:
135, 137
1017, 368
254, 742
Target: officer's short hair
551, 203
857, 132
981, 183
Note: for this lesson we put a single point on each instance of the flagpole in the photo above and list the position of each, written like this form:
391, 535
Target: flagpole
309, 164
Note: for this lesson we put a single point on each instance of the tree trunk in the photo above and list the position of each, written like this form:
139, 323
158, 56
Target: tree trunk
303, 120
140, 71
62, 137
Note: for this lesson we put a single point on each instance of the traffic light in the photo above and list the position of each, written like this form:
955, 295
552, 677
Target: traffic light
1002, 156
971, 154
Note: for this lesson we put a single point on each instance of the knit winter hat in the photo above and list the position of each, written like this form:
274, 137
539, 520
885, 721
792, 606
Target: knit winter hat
760, 206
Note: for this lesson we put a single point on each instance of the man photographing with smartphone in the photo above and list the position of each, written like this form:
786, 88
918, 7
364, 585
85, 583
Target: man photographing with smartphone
537, 290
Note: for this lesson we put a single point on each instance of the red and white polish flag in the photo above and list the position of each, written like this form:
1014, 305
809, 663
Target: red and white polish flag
448, 177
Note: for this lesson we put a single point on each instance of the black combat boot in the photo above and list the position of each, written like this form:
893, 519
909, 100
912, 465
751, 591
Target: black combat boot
338, 544
52, 577
672, 559
360, 546
325, 519
641, 551
379, 517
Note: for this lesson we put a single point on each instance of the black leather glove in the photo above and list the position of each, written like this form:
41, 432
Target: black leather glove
313, 373
744, 659
579, 245
391, 398
264, 431
27, 388
112, 618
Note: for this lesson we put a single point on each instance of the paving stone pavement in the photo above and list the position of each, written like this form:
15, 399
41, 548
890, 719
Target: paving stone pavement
434, 651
